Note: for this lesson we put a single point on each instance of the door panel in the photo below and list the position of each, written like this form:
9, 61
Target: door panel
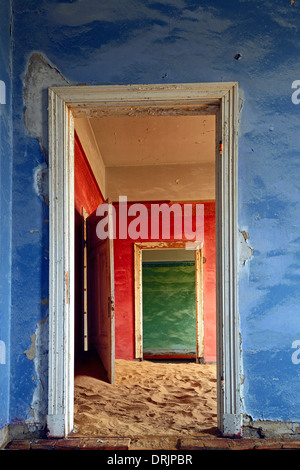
169, 309
101, 296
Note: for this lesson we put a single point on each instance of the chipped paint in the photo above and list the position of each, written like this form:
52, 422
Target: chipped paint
38, 353
30, 353
245, 250
67, 286
39, 76
41, 182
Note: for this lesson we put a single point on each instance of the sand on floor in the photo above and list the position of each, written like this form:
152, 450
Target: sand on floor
148, 398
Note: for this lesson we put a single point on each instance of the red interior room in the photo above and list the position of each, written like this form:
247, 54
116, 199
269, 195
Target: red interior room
88, 196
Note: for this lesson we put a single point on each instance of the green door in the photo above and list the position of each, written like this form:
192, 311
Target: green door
169, 309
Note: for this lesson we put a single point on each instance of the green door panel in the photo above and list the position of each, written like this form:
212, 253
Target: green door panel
169, 308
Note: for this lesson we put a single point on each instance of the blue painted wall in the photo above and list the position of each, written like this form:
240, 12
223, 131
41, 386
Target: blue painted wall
121, 42
5, 208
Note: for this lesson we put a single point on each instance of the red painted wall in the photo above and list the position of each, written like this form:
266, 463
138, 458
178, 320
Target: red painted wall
124, 289
87, 195
87, 191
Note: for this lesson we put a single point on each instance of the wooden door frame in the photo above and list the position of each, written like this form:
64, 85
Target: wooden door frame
139, 247
65, 103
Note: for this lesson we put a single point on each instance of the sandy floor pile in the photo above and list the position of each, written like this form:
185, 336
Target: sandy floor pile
147, 399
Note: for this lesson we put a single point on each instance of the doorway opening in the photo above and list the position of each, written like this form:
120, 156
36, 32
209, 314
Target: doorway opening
90, 108
179, 274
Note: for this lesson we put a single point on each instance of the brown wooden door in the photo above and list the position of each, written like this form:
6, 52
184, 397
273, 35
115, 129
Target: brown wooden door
101, 312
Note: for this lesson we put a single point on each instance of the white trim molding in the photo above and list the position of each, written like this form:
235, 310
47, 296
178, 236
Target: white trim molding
61, 269
66, 103
228, 335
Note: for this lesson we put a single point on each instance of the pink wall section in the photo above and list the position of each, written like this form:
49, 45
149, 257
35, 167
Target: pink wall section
209, 275
124, 289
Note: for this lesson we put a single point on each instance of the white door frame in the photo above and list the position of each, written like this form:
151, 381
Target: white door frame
65, 103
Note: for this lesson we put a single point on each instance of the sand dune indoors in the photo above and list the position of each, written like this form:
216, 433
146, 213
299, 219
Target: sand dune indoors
148, 398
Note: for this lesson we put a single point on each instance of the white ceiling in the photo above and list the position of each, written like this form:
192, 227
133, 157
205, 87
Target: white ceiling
154, 140
151, 158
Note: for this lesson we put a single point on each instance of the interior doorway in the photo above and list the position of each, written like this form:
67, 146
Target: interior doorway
168, 148
177, 153
68, 104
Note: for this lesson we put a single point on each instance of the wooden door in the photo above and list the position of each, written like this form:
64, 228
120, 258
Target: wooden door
101, 317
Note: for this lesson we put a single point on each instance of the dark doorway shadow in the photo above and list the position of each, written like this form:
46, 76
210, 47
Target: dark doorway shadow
90, 364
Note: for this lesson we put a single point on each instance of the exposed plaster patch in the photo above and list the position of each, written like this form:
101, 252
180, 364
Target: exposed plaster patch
245, 250
38, 352
30, 353
270, 429
41, 182
39, 76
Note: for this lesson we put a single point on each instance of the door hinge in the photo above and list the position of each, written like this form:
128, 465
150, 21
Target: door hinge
220, 147
110, 306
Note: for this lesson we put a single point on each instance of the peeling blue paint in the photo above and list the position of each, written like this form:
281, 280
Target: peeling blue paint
99, 42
